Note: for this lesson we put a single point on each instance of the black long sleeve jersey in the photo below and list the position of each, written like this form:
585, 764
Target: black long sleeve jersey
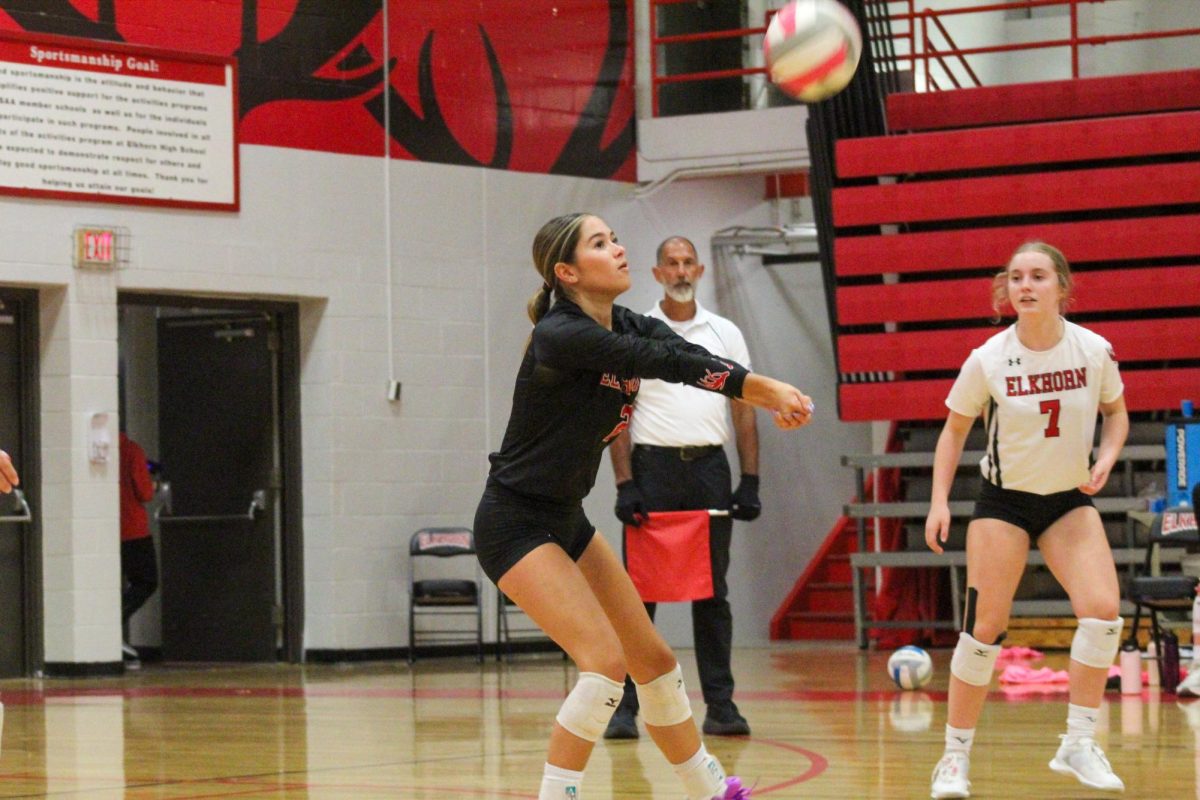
575, 391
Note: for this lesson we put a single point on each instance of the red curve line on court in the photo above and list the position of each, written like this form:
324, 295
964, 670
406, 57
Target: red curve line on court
818, 764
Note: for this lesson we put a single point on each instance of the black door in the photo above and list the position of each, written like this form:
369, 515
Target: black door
218, 443
18, 544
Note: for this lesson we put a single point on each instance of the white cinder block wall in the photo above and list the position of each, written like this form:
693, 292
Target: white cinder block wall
312, 229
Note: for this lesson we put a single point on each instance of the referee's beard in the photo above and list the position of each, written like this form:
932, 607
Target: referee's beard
681, 292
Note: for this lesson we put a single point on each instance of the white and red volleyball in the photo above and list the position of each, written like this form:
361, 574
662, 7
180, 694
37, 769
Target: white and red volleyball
910, 667
812, 49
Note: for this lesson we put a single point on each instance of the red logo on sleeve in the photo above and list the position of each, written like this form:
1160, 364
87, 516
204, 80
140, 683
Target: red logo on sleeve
713, 381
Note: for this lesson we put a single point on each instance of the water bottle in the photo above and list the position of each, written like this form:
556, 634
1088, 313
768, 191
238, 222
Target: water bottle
1170, 661
1131, 668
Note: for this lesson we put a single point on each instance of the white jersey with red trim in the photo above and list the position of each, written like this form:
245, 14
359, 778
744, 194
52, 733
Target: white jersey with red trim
1039, 407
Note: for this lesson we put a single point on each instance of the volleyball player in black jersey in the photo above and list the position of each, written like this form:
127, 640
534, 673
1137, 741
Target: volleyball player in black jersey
574, 394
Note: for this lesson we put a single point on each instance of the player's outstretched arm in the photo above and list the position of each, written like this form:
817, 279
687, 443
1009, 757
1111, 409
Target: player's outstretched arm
790, 407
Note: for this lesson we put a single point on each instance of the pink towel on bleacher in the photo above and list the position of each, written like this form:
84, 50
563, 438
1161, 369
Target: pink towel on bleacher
1018, 674
1016, 655
1016, 680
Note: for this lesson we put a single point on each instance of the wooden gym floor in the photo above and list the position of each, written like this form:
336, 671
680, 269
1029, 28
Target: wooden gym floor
826, 722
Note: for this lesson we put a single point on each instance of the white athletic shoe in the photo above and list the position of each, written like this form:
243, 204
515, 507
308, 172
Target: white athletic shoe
1189, 686
950, 776
1083, 759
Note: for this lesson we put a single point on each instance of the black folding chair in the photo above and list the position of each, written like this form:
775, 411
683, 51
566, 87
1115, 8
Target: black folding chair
1173, 527
443, 595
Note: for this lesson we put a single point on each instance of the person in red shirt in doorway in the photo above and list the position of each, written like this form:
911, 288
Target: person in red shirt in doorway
139, 564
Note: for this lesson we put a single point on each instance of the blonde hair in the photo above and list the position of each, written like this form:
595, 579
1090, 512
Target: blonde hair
555, 241
1061, 268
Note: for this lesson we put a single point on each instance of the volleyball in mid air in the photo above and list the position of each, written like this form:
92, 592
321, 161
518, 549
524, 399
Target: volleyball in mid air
812, 48
910, 667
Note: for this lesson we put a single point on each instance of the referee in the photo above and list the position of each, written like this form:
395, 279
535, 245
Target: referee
677, 463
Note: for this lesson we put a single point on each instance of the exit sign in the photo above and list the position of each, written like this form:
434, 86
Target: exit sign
96, 248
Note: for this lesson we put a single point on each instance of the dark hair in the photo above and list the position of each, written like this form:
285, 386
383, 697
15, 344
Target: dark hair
555, 241
1061, 268
658, 254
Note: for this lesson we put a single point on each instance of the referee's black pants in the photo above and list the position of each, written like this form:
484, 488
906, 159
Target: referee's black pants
669, 483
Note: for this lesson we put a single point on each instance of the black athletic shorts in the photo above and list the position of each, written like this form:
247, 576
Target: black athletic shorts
1033, 513
509, 525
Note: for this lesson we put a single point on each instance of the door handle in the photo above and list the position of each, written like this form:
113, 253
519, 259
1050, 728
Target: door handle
18, 503
258, 504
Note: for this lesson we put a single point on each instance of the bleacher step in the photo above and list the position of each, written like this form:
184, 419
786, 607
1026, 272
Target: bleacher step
1081, 98
1055, 633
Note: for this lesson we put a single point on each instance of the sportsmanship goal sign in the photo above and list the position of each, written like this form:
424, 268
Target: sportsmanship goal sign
82, 119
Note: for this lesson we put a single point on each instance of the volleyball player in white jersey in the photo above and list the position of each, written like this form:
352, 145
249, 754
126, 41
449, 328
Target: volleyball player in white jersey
1038, 384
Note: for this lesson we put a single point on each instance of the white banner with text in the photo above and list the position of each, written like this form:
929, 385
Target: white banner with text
90, 120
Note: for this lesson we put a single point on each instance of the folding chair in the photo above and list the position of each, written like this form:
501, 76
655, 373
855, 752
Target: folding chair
1154, 592
446, 595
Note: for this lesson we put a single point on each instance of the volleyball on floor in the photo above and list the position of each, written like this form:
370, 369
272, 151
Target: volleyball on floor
812, 49
910, 667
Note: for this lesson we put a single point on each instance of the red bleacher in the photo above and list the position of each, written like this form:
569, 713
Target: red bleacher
1012, 195
1009, 145
1103, 290
1107, 169
1132, 340
926, 399
974, 248
1048, 100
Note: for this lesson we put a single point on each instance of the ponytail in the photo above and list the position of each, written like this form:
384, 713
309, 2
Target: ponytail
539, 304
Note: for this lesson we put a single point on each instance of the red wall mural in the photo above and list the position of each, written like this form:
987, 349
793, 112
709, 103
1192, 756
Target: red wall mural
531, 85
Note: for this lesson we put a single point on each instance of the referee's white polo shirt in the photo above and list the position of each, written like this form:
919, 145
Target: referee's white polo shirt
674, 415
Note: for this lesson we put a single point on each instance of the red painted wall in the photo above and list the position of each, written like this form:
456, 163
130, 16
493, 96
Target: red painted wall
540, 86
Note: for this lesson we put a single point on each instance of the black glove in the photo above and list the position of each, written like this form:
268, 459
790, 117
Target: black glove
745, 504
630, 508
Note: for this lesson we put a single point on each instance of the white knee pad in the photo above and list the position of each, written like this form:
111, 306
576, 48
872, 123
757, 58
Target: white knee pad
663, 700
590, 705
973, 661
1096, 641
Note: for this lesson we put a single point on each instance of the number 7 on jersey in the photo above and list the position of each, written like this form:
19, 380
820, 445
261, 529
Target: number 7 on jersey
1051, 407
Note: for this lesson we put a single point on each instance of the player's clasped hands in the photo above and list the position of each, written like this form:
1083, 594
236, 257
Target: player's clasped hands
790, 407
795, 412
